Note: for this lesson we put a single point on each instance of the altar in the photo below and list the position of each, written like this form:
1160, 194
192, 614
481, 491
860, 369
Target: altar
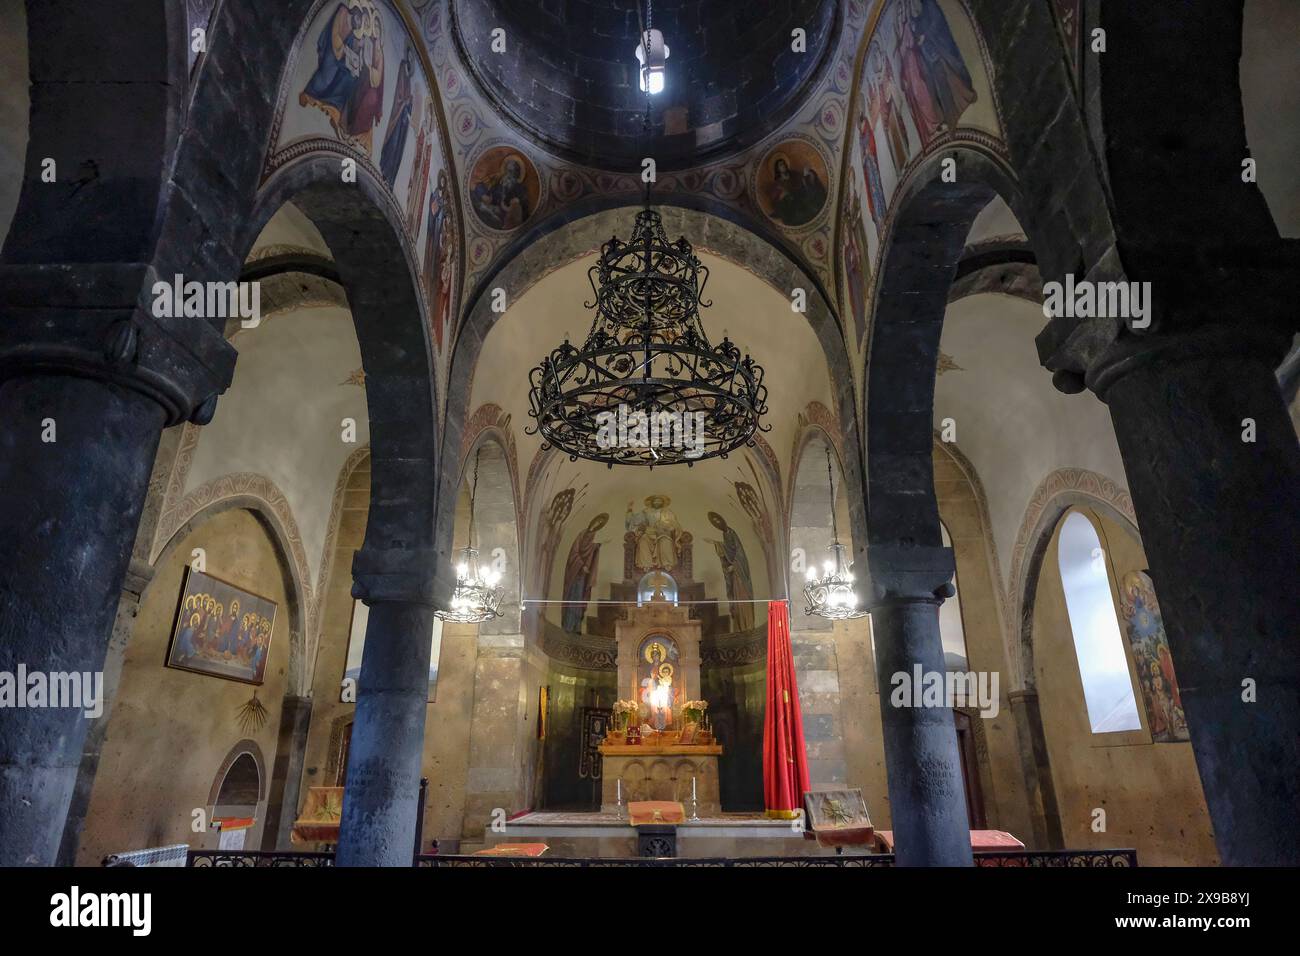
661, 746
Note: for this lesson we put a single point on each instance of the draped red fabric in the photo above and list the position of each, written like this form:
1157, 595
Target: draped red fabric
785, 763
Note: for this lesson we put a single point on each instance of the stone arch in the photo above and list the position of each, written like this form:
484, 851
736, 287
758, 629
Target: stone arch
713, 229
931, 220
361, 226
1059, 492
258, 496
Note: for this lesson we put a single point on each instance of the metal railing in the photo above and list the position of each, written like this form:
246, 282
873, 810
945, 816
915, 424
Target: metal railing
993, 859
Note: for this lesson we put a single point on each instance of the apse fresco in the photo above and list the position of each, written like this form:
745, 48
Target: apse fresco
923, 84
709, 546
1145, 629
357, 86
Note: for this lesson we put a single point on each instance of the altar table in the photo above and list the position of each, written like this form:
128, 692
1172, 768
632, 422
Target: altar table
652, 771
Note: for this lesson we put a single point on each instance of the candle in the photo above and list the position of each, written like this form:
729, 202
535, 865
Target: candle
692, 789
619, 784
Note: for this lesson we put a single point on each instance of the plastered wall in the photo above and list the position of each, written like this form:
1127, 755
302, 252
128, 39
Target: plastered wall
1150, 792
169, 729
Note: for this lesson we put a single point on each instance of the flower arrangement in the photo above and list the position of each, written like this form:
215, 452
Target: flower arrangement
693, 710
623, 711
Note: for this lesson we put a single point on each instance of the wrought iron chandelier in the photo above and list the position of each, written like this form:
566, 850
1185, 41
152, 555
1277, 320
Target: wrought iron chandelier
832, 596
647, 387
477, 597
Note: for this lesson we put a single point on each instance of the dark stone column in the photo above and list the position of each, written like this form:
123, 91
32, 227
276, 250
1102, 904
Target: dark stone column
381, 799
68, 512
927, 798
128, 607
1220, 521
1041, 789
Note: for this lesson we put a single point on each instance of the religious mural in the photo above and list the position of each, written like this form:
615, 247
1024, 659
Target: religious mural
504, 188
580, 573
357, 86
923, 85
857, 270
735, 573
658, 533
1145, 629
791, 184
659, 693
221, 630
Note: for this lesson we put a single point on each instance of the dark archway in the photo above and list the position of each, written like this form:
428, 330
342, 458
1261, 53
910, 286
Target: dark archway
376, 268
931, 220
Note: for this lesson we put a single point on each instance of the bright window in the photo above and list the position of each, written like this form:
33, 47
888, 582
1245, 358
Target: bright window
1103, 666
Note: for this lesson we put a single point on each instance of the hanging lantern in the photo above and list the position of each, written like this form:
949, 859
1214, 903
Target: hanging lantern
478, 593
831, 594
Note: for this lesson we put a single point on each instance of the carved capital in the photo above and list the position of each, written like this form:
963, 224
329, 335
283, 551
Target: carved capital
410, 576
95, 320
908, 575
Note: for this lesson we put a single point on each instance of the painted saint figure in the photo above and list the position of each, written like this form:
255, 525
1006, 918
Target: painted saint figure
934, 76
1155, 664
855, 269
796, 197
735, 572
366, 105
580, 574
502, 200
439, 258
399, 121
657, 692
658, 534
338, 59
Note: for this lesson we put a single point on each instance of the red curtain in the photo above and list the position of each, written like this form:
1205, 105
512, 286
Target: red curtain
785, 763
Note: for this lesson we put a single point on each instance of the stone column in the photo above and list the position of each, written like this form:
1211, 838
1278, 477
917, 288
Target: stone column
68, 514
1220, 520
381, 799
927, 798
382, 795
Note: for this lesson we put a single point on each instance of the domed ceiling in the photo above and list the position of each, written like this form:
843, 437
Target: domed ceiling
568, 76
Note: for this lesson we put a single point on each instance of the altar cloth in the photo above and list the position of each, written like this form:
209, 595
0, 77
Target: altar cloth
647, 812
514, 849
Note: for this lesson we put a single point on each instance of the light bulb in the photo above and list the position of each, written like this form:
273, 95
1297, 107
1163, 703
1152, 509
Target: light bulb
462, 570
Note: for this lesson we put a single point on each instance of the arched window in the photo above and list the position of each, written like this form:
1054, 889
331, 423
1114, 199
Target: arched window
660, 581
951, 630
1103, 666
